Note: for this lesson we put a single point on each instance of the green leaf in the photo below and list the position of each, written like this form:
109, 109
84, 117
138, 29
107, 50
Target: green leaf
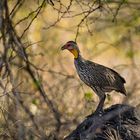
130, 54
35, 101
88, 96
37, 83
108, 97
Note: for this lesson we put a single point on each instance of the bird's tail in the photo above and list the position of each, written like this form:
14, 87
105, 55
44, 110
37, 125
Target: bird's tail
122, 90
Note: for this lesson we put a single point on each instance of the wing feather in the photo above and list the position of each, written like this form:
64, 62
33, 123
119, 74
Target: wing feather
105, 77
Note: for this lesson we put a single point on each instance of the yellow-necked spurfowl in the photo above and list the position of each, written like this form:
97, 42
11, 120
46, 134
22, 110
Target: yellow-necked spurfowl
100, 78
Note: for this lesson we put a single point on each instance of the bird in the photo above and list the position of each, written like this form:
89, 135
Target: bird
99, 78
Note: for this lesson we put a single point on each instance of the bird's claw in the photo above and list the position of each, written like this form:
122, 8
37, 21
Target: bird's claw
99, 112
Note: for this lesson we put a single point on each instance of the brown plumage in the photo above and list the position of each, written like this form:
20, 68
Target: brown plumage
100, 78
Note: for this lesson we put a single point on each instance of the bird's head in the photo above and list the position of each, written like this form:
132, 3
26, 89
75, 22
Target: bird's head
72, 47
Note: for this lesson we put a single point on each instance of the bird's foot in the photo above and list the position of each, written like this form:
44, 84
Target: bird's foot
99, 112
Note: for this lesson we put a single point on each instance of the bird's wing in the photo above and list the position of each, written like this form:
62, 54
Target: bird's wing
123, 80
103, 76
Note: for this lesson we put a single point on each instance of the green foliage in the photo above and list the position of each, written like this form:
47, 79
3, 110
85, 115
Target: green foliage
130, 53
37, 83
35, 101
88, 96
108, 97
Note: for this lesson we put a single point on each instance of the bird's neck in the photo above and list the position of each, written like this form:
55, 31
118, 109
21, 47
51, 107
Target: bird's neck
79, 61
75, 53
79, 57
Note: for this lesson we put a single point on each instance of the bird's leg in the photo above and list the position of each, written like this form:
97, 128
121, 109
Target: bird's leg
102, 97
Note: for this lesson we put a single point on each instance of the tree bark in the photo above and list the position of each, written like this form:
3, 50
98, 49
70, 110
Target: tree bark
118, 122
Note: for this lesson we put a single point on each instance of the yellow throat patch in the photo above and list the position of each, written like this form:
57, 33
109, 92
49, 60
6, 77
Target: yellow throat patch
74, 52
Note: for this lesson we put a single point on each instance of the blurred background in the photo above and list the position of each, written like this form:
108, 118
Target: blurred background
41, 96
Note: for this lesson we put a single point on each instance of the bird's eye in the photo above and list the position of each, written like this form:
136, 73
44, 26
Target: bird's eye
68, 45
